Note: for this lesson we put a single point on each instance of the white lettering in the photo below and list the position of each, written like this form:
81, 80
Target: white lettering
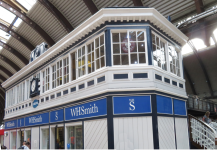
131, 103
80, 111
56, 115
10, 124
35, 119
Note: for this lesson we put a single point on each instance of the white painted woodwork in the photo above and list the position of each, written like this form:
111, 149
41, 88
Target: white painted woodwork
95, 134
7, 140
35, 138
166, 133
182, 139
133, 133
52, 138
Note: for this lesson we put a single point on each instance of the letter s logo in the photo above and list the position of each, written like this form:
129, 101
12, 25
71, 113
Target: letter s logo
56, 115
131, 103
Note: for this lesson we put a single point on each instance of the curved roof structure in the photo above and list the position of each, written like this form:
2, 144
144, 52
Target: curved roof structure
24, 24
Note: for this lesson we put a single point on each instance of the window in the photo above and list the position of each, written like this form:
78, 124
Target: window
75, 137
46, 79
100, 52
27, 89
73, 67
129, 47
91, 56
54, 76
66, 70
174, 60
59, 73
20, 92
81, 61
23, 91
159, 52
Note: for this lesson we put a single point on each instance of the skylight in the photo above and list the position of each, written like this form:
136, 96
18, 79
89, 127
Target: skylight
198, 43
186, 49
27, 3
6, 15
4, 34
17, 23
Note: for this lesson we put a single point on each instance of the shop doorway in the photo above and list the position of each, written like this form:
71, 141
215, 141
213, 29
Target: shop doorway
57, 137
21, 138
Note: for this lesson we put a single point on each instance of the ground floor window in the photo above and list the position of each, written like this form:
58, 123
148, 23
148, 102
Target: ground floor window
13, 140
74, 137
45, 139
28, 136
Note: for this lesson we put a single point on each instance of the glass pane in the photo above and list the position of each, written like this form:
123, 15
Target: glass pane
153, 38
45, 139
157, 41
101, 50
79, 52
93, 56
93, 66
83, 60
116, 48
140, 36
102, 62
97, 64
124, 60
134, 59
153, 47
124, 37
141, 46
164, 65
124, 48
79, 63
75, 137
116, 59
97, 42
101, 39
83, 50
97, 53
89, 58
133, 47
142, 58
115, 37
132, 35
89, 48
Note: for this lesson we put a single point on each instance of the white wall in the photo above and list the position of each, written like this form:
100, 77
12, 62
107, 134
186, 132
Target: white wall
133, 133
35, 138
7, 140
96, 134
2, 139
166, 133
182, 138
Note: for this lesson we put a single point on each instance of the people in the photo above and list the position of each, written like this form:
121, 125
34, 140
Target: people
206, 117
57, 144
28, 145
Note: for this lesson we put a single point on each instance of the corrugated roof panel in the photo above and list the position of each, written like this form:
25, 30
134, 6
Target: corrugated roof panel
72, 10
6, 65
47, 21
12, 57
19, 47
113, 3
29, 34
4, 74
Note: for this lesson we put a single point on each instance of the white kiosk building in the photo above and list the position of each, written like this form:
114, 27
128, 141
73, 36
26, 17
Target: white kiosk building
114, 82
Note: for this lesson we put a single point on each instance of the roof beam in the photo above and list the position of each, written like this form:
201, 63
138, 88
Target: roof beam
15, 52
30, 22
8, 61
199, 6
91, 6
190, 81
17, 36
12, 24
5, 71
202, 67
2, 77
137, 2
57, 14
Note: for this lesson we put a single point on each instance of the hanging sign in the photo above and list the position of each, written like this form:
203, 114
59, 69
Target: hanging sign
56, 116
132, 104
11, 124
37, 119
91, 109
20, 122
35, 103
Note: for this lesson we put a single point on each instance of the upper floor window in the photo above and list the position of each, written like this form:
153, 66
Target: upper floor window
54, 76
129, 47
174, 60
46, 79
66, 70
159, 52
59, 73
81, 61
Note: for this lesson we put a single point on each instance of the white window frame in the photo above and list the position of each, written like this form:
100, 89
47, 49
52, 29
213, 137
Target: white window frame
129, 57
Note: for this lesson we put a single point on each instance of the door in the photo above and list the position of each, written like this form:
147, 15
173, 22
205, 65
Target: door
59, 138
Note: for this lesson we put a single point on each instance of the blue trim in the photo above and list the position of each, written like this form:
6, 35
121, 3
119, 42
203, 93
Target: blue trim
164, 105
140, 75
58, 94
73, 89
167, 80
120, 76
81, 86
158, 77
100, 79
149, 46
174, 83
110, 123
65, 92
108, 47
90, 83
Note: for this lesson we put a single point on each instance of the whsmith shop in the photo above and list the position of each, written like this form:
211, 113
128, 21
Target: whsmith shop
114, 82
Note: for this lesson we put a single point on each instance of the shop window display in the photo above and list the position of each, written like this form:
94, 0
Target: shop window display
45, 139
75, 137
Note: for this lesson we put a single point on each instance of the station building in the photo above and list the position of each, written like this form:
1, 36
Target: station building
114, 82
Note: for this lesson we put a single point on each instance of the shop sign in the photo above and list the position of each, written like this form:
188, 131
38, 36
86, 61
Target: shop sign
91, 109
132, 104
56, 116
37, 119
11, 124
35, 103
20, 122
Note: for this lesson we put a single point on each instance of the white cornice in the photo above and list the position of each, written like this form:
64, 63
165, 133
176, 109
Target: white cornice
107, 14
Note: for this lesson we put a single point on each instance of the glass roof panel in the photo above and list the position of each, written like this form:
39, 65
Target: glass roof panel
6, 15
27, 3
17, 23
4, 34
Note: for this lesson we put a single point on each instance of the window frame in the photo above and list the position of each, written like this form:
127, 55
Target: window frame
129, 57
